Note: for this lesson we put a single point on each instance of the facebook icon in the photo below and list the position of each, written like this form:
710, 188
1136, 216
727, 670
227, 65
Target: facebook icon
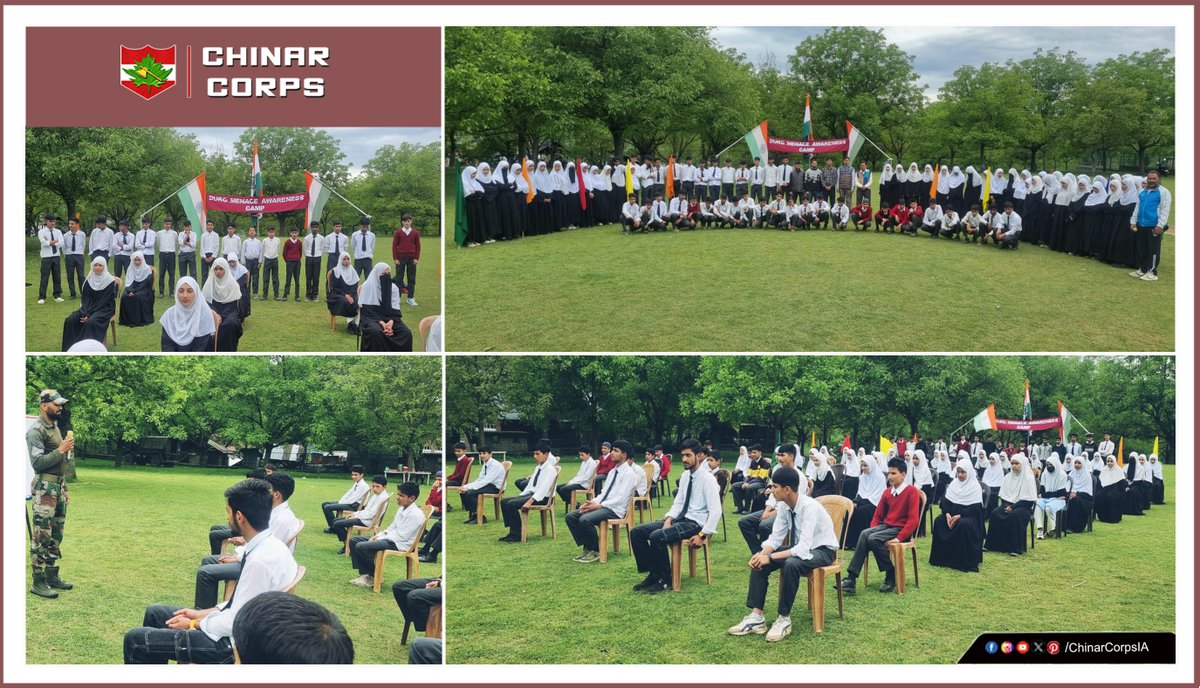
991, 647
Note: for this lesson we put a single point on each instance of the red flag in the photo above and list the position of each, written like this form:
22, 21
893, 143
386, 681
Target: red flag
846, 443
582, 188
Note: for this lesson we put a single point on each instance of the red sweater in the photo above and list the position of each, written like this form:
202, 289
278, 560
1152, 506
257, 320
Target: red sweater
292, 250
605, 464
404, 247
903, 511
435, 501
460, 469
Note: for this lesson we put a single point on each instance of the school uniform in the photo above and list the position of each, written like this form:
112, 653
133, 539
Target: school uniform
252, 251
293, 252
73, 252
100, 242
539, 487
210, 247
613, 502
349, 501
491, 477
145, 242
696, 510
741, 181
122, 253
896, 516
168, 248
333, 244
314, 246
231, 243
187, 253
397, 536
51, 260
270, 265
587, 469
813, 544
375, 506
758, 176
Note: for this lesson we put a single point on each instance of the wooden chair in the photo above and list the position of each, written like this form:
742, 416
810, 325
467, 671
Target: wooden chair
543, 510
466, 479
361, 503
616, 524
412, 564
433, 625
644, 500
840, 510
373, 528
589, 493
897, 551
494, 497
677, 554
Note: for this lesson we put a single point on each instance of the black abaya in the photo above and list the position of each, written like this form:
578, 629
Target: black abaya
373, 336
244, 302
336, 298
849, 487
864, 511
197, 345
824, 487
491, 212
1079, 512
1006, 529
474, 209
230, 329
1159, 492
960, 547
137, 303
1110, 504
1123, 250
99, 308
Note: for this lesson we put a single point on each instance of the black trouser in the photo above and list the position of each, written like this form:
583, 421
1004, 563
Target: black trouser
727, 189
312, 276
270, 276
564, 493
187, 264
291, 274
363, 267
932, 228
415, 600
521, 483
791, 571
342, 526
252, 265
744, 496
650, 543
755, 529
874, 540
689, 188
470, 498
217, 535
433, 539
863, 194
167, 258
598, 486
51, 268
76, 272
952, 231
741, 188
406, 276
628, 226
332, 507
1010, 240
99, 254
205, 266
148, 256
209, 575
122, 264
1149, 248
154, 643
583, 527
510, 509
362, 552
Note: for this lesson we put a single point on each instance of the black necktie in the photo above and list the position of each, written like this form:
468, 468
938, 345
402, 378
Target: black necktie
608, 487
72, 242
792, 526
687, 497
362, 242
245, 558
535, 476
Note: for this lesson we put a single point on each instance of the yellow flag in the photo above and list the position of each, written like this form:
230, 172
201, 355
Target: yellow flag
884, 445
628, 177
1155, 450
987, 188
933, 186
813, 444
1121, 452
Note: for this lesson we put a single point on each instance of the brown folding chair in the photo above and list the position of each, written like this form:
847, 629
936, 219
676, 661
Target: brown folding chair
616, 524
373, 528
547, 508
412, 563
494, 497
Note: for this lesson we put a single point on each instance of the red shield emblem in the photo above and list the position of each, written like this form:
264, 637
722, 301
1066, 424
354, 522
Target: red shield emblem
147, 71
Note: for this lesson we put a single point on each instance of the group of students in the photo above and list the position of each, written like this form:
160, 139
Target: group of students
1119, 220
259, 622
229, 270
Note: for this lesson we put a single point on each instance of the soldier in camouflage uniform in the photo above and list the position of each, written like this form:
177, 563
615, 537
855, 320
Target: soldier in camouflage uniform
48, 453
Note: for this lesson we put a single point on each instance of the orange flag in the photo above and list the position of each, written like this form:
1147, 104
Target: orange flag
525, 173
1121, 452
670, 183
933, 186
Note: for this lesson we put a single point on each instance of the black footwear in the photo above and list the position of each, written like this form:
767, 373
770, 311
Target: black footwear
328, 530
340, 550
658, 586
470, 519
847, 586
427, 559
40, 587
889, 584
54, 581
511, 538
650, 581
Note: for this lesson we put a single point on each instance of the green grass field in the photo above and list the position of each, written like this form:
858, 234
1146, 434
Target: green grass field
768, 290
273, 326
135, 536
542, 607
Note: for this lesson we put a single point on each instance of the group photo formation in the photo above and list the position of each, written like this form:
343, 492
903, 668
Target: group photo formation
182, 240
837, 499
834, 139
279, 510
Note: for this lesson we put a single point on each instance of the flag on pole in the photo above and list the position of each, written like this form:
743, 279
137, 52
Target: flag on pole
806, 130
628, 177
987, 184
933, 189
318, 194
1065, 431
846, 443
460, 207
813, 444
985, 419
1121, 452
579, 181
884, 445
256, 187
1027, 410
1154, 452
191, 197
529, 193
756, 140
854, 140
670, 180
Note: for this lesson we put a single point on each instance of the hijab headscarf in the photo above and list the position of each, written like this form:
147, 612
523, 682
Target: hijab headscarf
1019, 486
887, 173
743, 460
1143, 470
184, 323
943, 186
819, 465
572, 180
1081, 478
221, 289
1066, 191
999, 182
236, 266
1156, 469
138, 270
956, 178
606, 178
964, 492
871, 482
901, 175
502, 175
369, 294
485, 173
470, 184
559, 177
1035, 186
993, 473
927, 175
1099, 194
1111, 474
914, 172
1114, 192
99, 282
1057, 479
346, 273
919, 473
853, 469
1133, 186
542, 181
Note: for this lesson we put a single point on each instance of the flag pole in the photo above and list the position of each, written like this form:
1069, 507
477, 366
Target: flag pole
169, 196
1076, 419
730, 146
335, 193
889, 157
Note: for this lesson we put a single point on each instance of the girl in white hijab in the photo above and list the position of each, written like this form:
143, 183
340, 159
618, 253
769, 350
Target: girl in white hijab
380, 321
823, 481
1159, 489
473, 202
1018, 496
921, 476
851, 472
224, 295
958, 532
956, 190
190, 324
97, 306
342, 298
1145, 481
993, 477
1081, 500
137, 294
1114, 492
1055, 482
872, 481
560, 182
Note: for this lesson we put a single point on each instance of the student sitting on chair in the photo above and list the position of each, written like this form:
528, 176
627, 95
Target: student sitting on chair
491, 477
587, 469
692, 519
398, 536
366, 515
805, 523
609, 504
756, 526
895, 520
415, 597
537, 492
349, 501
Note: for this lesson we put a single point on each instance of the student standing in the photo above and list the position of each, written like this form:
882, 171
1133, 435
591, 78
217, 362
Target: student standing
122, 249
251, 260
145, 241
314, 247
363, 248
101, 239
270, 263
334, 244
406, 251
74, 242
187, 250
210, 246
293, 251
51, 239
168, 241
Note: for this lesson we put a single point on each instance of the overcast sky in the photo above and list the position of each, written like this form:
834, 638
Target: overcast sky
939, 50
358, 143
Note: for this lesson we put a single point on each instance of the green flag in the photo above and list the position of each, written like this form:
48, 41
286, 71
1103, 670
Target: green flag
460, 207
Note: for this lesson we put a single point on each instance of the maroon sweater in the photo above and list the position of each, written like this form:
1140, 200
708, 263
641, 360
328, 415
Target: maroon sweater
903, 511
406, 246
292, 251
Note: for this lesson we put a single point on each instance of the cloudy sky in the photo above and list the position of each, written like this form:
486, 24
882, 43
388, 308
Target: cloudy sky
939, 50
358, 143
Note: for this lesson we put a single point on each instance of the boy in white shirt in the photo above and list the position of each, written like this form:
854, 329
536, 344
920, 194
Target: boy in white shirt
397, 536
840, 215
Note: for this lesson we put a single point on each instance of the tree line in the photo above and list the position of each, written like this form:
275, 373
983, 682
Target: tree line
389, 406
606, 92
120, 172
663, 399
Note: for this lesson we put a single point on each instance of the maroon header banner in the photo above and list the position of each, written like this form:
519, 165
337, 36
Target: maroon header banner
1033, 425
221, 76
778, 145
250, 204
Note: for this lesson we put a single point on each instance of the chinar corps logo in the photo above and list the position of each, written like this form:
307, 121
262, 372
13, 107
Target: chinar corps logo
148, 71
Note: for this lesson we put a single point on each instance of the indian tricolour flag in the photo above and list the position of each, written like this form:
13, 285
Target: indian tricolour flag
756, 139
256, 186
318, 194
854, 139
806, 130
985, 419
191, 197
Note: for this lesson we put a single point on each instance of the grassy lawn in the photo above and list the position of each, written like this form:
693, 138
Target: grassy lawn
273, 326
122, 556
768, 290
587, 614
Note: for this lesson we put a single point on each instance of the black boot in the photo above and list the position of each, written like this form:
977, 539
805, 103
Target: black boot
41, 588
889, 582
54, 581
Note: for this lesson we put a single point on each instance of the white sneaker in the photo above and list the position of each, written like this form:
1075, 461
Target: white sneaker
412, 302
41, 302
749, 625
1136, 273
1041, 535
781, 629
366, 580
58, 299
1148, 277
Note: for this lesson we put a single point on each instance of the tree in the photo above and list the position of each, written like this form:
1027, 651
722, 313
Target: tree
398, 180
989, 106
1054, 77
284, 153
1140, 89
476, 390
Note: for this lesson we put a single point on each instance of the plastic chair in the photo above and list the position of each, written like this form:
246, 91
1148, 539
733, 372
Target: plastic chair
373, 528
291, 588
839, 475
840, 510
547, 508
644, 500
897, 551
412, 564
616, 524
589, 493
291, 543
676, 565
494, 497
